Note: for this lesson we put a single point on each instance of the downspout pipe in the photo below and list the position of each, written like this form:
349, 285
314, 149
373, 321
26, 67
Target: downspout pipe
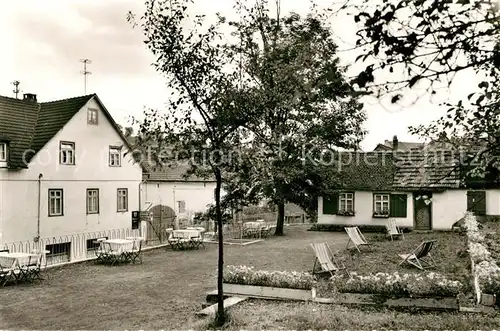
40, 176
140, 204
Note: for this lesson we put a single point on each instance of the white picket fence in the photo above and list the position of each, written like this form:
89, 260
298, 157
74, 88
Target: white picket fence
70, 248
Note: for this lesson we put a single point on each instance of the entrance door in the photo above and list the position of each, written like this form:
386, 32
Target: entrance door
163, 218
423, 210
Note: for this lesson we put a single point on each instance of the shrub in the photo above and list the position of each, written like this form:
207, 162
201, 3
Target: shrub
488, 275
478, 252
486, 270
248, 276
395, 284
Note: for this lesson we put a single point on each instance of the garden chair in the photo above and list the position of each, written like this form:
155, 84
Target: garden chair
325, 259
136, 253
32, 270
7, 273
421, 256
393, 230
102, 251
356, 238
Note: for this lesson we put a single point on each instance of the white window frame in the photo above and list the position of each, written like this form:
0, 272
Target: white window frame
122, 199
56, 195
67, 153
115, 156
92, 201
92, 116
3, 152
381, 202
344, 199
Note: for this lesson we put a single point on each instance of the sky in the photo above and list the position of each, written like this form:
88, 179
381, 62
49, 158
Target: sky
44, 41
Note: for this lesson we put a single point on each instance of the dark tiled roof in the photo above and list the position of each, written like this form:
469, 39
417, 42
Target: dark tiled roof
54, 116
402, 146
17, 124
29, 125
366, 170
427, 169
173, 173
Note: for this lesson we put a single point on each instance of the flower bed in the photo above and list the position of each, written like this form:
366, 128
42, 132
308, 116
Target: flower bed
244, 275
397, 285
485, 270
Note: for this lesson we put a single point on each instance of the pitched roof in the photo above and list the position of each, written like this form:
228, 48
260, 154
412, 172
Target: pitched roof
427, 170
366, 170
17, 125
174, 173
402, 146
53, 116
30, 125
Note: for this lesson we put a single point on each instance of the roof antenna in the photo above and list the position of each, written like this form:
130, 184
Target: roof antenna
16, 87
85, 73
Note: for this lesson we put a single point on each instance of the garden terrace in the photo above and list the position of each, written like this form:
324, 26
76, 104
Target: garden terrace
169, 287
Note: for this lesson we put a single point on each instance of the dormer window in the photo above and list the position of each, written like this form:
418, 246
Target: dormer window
92, 116
3, 152
115, 155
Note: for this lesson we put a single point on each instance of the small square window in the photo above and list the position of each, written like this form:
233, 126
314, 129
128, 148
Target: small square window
92, 116
3, 152
92, 201
67, 153
115, 154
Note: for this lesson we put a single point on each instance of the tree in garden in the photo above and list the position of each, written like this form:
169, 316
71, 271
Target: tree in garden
202, 123
423, 44
304, 99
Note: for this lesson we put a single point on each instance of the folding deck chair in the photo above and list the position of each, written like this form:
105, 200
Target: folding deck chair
393, 230
421, 256
356, 238
325, 259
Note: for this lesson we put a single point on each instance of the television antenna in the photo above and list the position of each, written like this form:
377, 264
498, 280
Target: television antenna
16, 90
85, 73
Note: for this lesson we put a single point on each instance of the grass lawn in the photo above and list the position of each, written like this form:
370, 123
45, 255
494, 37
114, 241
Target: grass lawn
267, 315
449, 252
166, 291
162, 293
492, 235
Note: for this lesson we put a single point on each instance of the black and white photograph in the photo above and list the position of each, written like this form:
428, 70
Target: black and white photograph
250, 165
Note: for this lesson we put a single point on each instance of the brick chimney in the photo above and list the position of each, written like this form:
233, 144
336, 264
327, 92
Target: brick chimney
29, 97
395, 143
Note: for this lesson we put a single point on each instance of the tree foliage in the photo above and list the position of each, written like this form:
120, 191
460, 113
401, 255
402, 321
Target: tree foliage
305, 102
201, 124
424, 44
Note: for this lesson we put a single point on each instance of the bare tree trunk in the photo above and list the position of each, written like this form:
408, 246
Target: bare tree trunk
220, 317
281, 219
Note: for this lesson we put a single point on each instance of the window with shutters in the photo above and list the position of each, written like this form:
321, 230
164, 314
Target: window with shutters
381, 205
476, 202
330, 205
346, 204
398, 205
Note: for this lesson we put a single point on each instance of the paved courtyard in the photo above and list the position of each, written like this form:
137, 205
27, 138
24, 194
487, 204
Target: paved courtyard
162, 293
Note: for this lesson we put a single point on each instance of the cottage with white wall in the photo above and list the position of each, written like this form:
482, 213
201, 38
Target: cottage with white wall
63, 171
422, 190
170, 195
